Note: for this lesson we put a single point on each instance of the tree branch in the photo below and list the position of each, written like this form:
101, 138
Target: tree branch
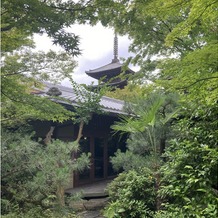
197, 81
7, 28
12, 99
81, 125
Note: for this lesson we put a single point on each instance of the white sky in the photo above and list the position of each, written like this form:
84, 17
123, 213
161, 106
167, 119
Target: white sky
96, 44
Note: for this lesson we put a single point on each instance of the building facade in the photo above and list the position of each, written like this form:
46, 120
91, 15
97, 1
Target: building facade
97, 136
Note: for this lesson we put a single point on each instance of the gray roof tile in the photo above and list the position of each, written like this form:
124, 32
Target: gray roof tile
110, 66
111, 105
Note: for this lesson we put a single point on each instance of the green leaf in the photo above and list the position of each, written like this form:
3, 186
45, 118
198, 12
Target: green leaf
121, 210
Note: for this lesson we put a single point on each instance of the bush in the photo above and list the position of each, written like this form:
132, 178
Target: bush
167, 214
32, 174
37, 212
189, 179
132, 195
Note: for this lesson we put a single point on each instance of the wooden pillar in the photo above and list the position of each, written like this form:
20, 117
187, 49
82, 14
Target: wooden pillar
105, 159
92, 150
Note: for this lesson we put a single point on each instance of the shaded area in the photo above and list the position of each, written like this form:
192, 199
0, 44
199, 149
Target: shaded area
90, 214
94, 199
94, 190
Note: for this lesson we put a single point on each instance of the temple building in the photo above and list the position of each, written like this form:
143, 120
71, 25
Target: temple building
98, 138
113, 74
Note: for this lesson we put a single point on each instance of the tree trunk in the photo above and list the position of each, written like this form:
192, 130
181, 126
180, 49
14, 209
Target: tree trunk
162, 145
48, 136
60, 195
81, 125
157, 187
79, 136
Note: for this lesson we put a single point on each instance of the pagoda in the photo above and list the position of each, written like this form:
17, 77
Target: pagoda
112, 74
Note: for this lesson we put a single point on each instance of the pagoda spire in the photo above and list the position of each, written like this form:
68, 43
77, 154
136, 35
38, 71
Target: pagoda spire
115, 59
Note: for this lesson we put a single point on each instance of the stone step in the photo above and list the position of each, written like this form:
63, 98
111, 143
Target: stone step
90, 205
90, 214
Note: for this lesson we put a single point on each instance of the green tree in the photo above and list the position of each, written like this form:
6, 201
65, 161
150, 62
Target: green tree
130, 92
87, 104
162, 30
21, 74
132, 194
32, 173
195, 76
189, 181
21, 19
48, 168
149, 124
176, 46
23, 68
23, 71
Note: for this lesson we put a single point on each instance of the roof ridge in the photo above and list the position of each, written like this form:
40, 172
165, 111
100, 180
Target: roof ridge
72, 91
109, 104
111, 63
113, 99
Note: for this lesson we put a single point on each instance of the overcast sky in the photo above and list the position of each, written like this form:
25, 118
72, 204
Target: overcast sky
96, 44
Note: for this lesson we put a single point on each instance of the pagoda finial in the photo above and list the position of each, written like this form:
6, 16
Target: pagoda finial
115, 48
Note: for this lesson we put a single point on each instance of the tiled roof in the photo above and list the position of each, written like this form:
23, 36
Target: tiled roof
110, 70
107, 67
110, 105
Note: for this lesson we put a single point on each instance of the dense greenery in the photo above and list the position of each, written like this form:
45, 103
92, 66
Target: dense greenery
23, 68
21, 19
33, 174
132, 194
175, 44
189, 177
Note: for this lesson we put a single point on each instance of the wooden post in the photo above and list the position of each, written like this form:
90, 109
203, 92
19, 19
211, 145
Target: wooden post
92, 150
105, 159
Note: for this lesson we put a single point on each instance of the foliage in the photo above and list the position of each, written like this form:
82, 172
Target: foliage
32, 173
45, 66
88, 102
193, 188
41, 179
23, 18
166, 214
151, 115
195, 76
200, 16
23, 69
37, 212
165, 32
132, 194
21, 74
128, 93
182, 38
180, 35
190, 174
152, 23
130, 160
149, 130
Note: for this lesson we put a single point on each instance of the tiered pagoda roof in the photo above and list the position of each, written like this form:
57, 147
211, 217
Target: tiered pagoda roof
111, 73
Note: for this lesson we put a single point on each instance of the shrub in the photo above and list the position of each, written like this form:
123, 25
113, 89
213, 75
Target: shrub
166, 214
189, 179
37, 212
32, 174
132, 195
